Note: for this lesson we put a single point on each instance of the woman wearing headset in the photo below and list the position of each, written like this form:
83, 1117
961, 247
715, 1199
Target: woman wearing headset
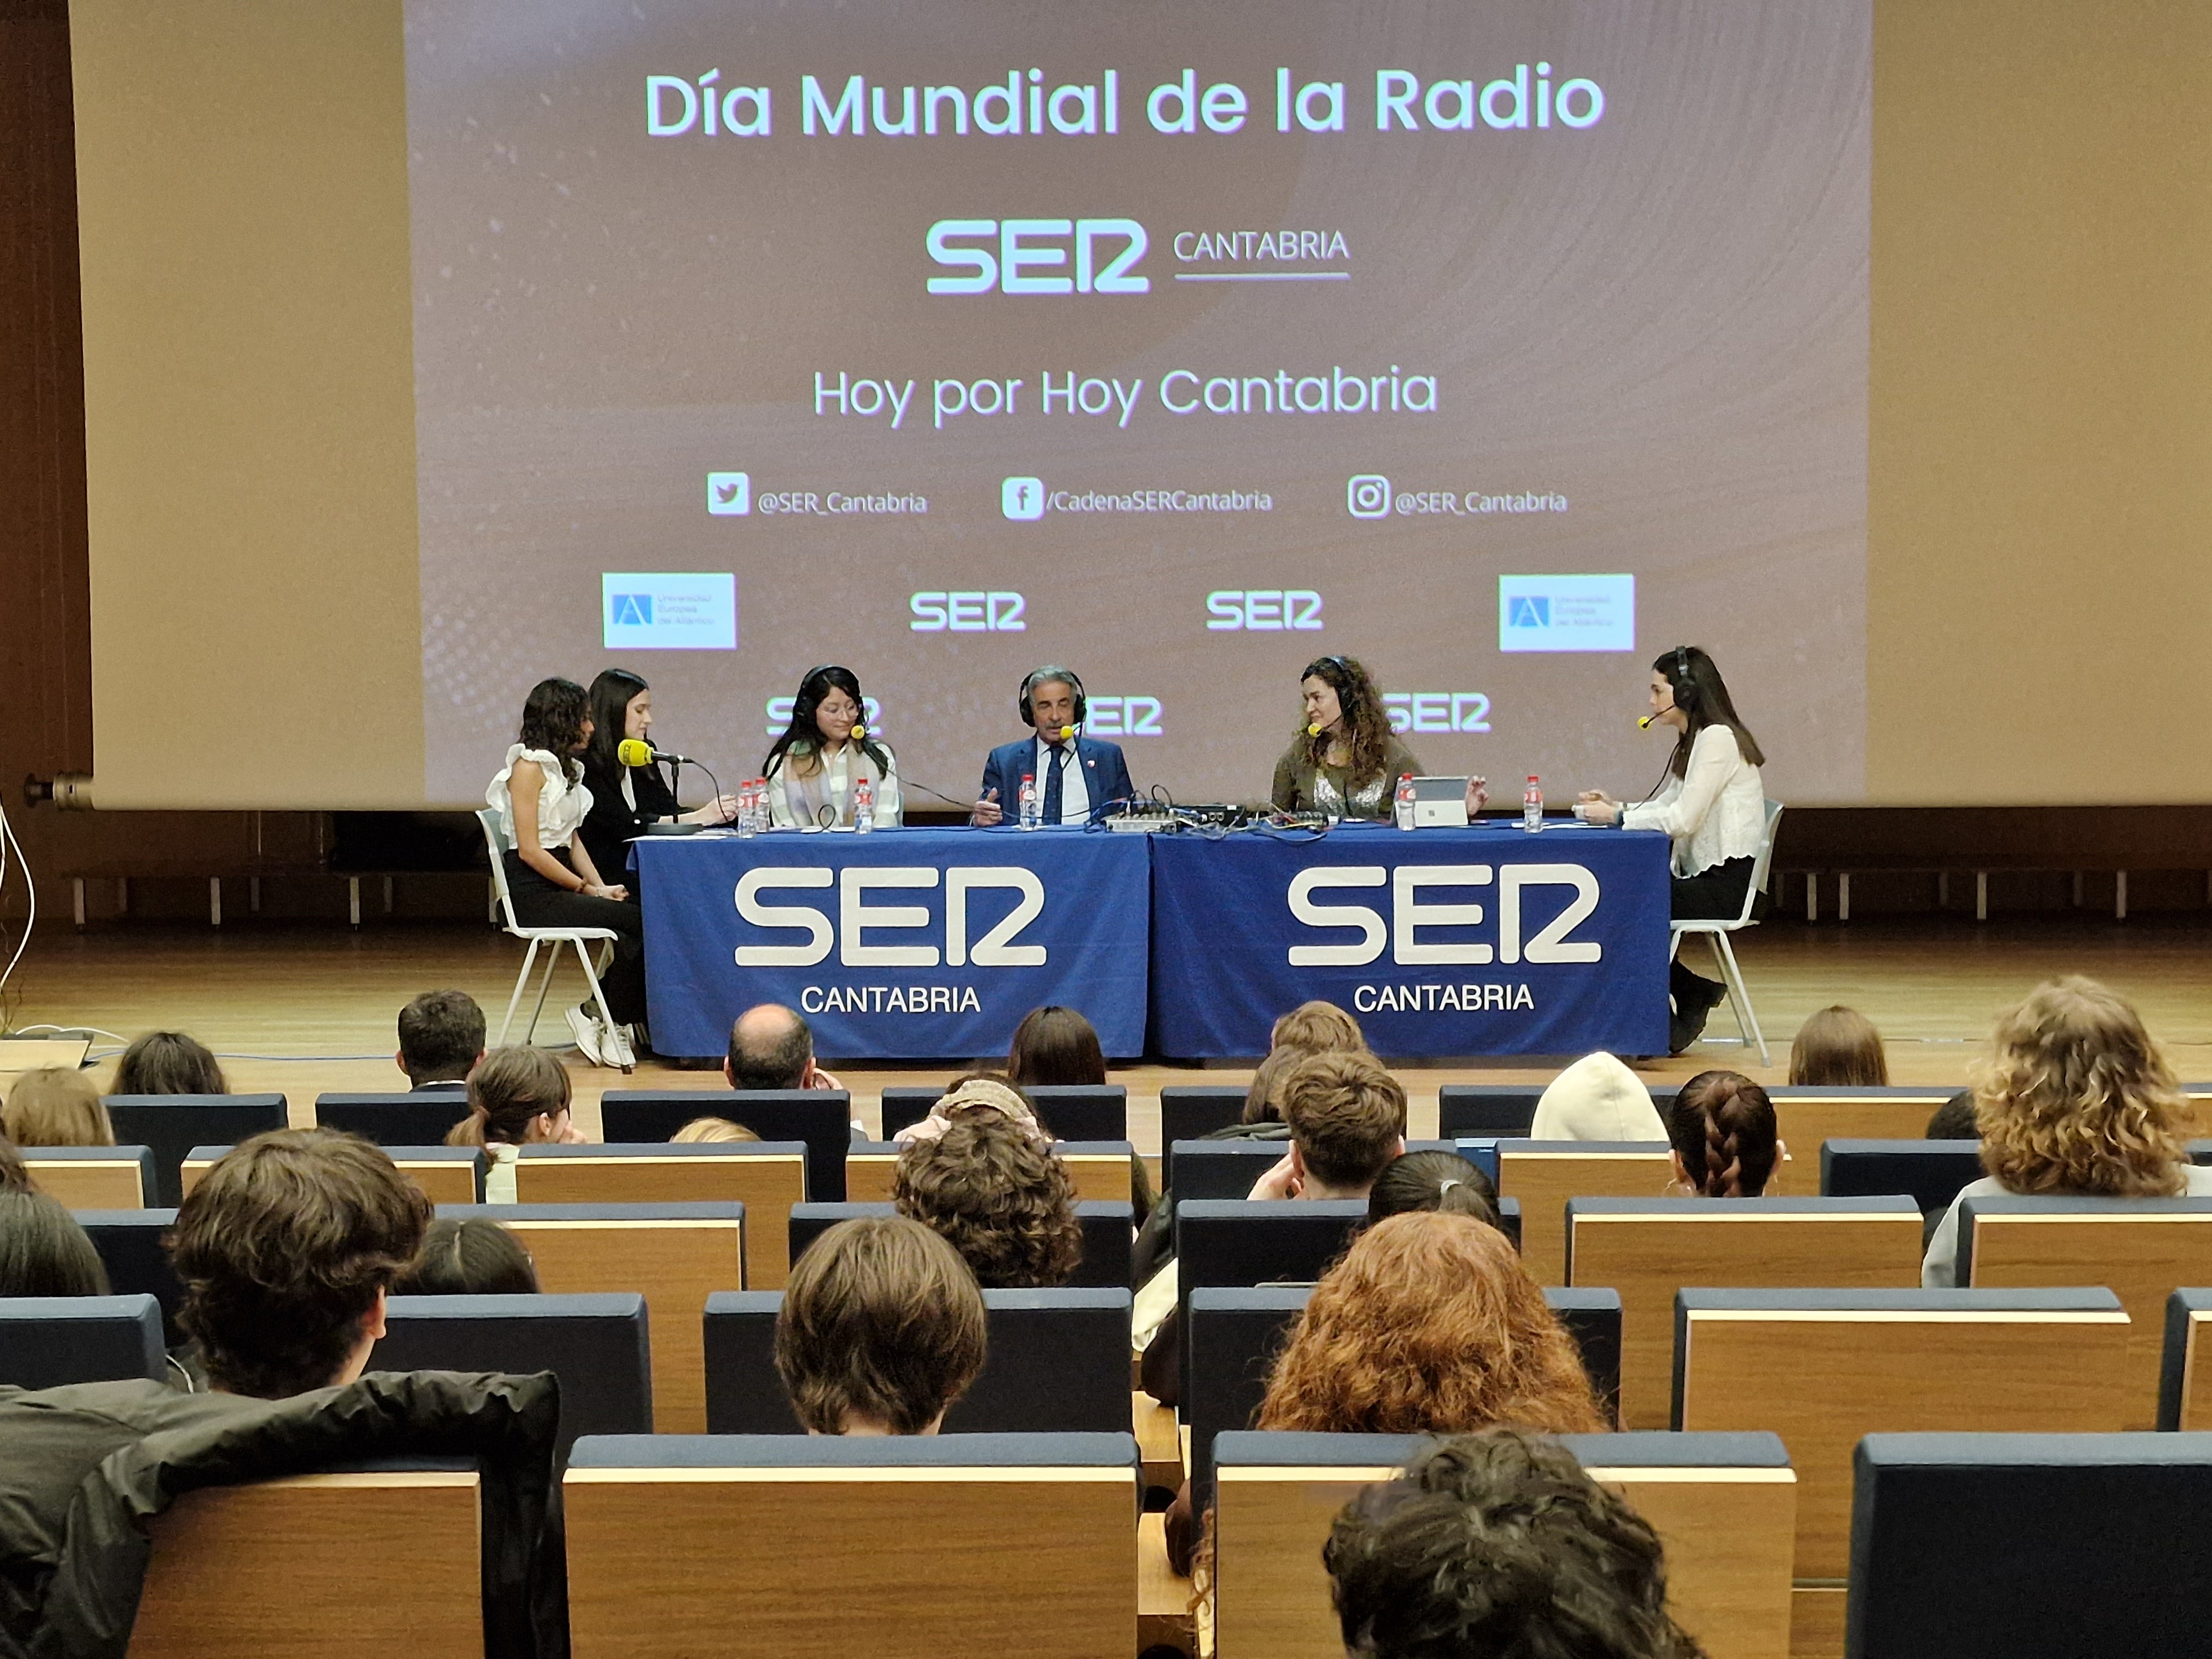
1343, 759
813, 767
1712, 805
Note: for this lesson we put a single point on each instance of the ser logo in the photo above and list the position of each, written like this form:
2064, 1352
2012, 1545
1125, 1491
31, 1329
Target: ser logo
1410, 914
857, 918
976, 612
1086, 256
1263, 610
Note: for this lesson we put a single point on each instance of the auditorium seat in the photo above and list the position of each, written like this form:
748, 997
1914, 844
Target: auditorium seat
1243, 1242
819, 1547
1058, 1362
130, 1246
1477, 1111
766, 1176
395, 1120
1994, 1546
598, 1346
356, 1566
1232, 1337
1191, 1111
823, 1118
1723, 1504
2143, 1248
49, 1340
1823, 1368
1545, 1173
1070, 1111
1932, 1171
447, 1174
93, 1177
171, 1125
1100, 1169
1227, 1169
1109, 1232
2184, 1386
676, 1255
1647, 1248
1805, 1117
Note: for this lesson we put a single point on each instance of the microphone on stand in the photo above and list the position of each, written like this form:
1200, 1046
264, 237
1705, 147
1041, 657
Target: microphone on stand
637, 751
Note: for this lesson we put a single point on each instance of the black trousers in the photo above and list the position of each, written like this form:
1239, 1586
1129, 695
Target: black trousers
1714, 895
539, 903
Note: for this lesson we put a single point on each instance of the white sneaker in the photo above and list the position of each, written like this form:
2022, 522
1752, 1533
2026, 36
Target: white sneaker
614, 1047
587, 1030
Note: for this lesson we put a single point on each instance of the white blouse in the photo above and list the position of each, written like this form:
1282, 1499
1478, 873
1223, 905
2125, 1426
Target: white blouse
561, 804
797, 802
1715, 811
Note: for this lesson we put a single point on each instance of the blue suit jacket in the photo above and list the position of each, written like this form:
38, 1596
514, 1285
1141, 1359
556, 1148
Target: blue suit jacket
1105, 774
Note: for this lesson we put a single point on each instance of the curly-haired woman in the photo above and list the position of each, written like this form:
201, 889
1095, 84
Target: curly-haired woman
998, 1195
1343, 759
2075, 1101
1430, 1324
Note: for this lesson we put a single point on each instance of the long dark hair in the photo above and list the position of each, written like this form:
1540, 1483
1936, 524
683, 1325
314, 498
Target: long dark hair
1055, 1045
169, 1063
553, 720
1366, 722
610, 696
1722, 1126
803, 738
1694, 682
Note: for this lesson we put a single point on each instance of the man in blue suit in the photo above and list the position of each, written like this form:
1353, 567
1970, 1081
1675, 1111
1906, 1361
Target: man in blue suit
1077, 778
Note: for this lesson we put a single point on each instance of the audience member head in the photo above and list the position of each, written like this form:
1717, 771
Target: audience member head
13, 1176
1262, 1101
709, 1129
286, 1248
1954, 1119
1596, 1098
978, 1091
2077, 1098
1055, 1045
992, 1191
1316, 1028
441, 1037
43, 1250
1498, 1543
1429, 1322
56, 1106
770, 1047
169, 1063
1838, 1046
474, 1257
1347, 1118
881, 1330
517, 1098
1722, 1126
1432, 1180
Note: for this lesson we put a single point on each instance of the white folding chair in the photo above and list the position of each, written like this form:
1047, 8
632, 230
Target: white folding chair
1746, 1022
555, 937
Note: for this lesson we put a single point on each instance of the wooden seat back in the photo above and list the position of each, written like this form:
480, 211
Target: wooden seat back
1824, 1368
1648, 1248
343, 1566
1545, 1173
766, 1176
447, 1174
93, 1177
674, 1255
2184, 1386
937, 1547
1100, 1169
1724, 1506
2143, 1249
1805, 1117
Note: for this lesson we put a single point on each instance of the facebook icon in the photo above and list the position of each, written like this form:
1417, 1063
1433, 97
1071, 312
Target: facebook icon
1022, 498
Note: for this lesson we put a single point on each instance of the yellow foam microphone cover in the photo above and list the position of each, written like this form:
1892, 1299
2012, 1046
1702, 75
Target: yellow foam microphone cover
634, 751
1314, 730
860, 734
1065, 732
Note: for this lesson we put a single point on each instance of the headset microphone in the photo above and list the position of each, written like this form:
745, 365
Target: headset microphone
1065, 732
1647, 723
636, 751
859, 732
1313, 729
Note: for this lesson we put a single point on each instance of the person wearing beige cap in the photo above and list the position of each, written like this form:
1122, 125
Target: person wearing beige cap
1597, 1098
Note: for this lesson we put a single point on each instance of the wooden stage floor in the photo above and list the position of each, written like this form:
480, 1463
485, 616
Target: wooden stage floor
304, 1008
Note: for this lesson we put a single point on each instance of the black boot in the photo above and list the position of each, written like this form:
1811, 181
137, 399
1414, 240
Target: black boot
1695, 997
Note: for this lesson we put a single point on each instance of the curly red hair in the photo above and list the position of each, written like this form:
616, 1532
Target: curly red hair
1429, 1324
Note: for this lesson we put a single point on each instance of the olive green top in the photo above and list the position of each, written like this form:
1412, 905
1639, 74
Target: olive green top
1302, 786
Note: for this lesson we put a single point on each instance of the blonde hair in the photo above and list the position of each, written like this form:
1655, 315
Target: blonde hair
2077, 1098
711, 1128
56, 1106
1838, 1046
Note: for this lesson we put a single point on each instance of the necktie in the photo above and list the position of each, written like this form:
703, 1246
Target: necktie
1053, 787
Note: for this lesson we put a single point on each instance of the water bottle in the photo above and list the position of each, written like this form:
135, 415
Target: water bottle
1532, 806
1401, 804
757, 805
864, 807
1032, 805
748, 801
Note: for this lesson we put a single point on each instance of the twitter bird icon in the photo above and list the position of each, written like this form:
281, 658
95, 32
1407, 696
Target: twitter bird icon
729, 495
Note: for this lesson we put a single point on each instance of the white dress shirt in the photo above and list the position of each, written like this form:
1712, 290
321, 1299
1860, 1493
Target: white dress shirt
1715, 811
1075, 794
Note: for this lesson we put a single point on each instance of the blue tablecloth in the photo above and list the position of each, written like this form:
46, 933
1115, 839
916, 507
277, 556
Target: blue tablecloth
932, 943
911, 943
1485, 940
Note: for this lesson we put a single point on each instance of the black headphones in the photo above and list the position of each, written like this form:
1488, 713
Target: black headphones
1685, 688
1037, 676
